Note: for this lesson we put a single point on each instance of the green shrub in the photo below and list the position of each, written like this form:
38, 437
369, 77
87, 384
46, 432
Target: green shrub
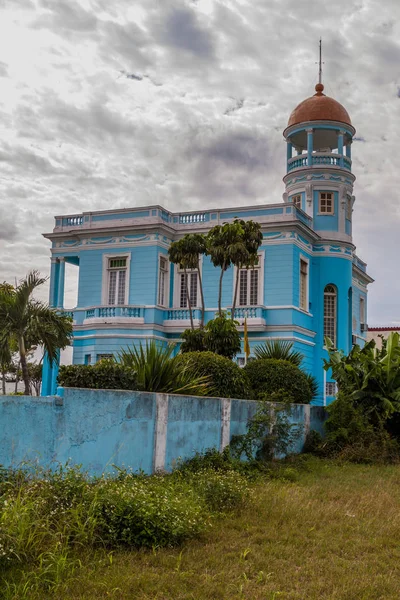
221, 490
269, 376
194, 340
104, 375
148, 512
226, 379
222, 336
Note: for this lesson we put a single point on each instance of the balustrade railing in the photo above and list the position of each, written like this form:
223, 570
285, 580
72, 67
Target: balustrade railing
320, 158
72, 221
181, 314
192, 218
247, 312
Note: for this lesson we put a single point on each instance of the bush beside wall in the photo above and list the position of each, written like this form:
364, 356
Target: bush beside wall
227, 380
104, 375
269, 376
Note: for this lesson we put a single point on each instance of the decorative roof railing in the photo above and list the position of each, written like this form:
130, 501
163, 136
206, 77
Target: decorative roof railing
154, 215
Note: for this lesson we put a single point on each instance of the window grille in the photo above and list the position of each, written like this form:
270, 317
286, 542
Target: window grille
117, 268
297, 200
330, 313
303, 284
162, 280
330, 388
191, 279
249, 280
326, 203
104, 357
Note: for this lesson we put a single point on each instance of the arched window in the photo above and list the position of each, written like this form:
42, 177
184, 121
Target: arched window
330, 313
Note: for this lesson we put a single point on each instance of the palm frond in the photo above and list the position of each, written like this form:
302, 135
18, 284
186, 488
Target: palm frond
280, 350
158, 371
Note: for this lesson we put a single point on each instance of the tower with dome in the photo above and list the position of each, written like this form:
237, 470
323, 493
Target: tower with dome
309, 283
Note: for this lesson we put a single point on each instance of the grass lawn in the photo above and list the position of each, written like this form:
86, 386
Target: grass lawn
334, 533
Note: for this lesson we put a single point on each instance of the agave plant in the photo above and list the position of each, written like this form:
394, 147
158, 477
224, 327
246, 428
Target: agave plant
157, 370
280, 350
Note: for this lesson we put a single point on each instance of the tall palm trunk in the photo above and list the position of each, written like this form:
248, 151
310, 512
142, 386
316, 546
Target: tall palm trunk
24, 366
3, 380
220, 291
189, 300
17, 376
235, 294
201, 297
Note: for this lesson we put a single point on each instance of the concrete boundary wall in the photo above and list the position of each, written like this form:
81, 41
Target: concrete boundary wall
139, 430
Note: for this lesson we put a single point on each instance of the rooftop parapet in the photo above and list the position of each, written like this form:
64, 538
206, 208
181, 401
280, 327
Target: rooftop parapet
156, 215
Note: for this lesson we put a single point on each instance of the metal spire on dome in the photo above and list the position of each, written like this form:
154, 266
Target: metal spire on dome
320, 61
319, 88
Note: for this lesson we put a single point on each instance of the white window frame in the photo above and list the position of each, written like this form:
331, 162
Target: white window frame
260, 290
296, 200
105, 277
325, 212
335, 316
330, 386
165, 304
177, 284
306, 260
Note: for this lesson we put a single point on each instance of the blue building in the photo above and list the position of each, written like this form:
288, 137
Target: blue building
308, 284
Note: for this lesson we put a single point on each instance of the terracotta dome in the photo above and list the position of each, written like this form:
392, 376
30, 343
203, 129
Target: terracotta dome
319, 108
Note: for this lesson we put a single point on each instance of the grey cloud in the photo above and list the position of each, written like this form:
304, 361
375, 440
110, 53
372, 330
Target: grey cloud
3, 69
183, 30
66, 16
79, 136
126, 46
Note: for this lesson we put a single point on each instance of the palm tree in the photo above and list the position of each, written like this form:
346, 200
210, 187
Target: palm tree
246, 252
31, 323
186, 252
224, 243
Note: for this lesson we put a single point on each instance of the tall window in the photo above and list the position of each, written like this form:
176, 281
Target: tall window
303, 284
191, 287
297, 200
330, 313
117, 280
326, 205
162, 280
362, 312
248, 285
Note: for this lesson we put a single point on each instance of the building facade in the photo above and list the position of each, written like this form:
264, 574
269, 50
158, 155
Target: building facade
308, 284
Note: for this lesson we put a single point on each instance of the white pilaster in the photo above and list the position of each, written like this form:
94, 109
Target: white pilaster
160, 432
225, 422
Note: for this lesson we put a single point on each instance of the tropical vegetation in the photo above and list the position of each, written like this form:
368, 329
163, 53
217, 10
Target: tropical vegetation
26, 323
269, 376
226, 379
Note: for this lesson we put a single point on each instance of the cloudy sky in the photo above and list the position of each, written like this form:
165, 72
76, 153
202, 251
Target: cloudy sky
183, 102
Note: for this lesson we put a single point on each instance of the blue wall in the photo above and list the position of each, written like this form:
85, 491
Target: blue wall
101, 428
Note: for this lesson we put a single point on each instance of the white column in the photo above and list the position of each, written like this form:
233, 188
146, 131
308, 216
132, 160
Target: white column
61, 280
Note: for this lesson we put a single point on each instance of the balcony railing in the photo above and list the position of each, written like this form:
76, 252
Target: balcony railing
142, 314
181, 314
319, 159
